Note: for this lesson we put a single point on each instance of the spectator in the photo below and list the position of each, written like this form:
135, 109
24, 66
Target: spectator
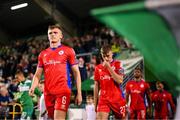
5, 99
82, 69
23, 96
90, 108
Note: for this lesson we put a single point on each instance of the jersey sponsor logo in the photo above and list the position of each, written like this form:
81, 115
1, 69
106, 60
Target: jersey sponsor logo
52, 62
105, 77
135, 91
61, 52
23, 88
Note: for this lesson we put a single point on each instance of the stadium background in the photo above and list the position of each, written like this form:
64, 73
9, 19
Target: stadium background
23, 35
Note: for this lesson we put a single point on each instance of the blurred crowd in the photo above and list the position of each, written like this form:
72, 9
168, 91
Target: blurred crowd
23, 55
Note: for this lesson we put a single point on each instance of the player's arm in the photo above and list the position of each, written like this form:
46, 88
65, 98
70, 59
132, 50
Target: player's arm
127, 97
172, 103
127, 93
77, 77
117, 77
96, 92
36, 79
148, 94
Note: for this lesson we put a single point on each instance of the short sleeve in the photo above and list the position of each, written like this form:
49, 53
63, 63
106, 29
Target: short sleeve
72, 57
119, 68
147, 86
40, 61
96, 74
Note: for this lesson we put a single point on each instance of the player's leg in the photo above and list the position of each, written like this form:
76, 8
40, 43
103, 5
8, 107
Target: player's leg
27, 113
59, 115
102, 110
132, 114
61, 106
50, 102
102, 115
141, 114
157, 115
164, 117
119, 109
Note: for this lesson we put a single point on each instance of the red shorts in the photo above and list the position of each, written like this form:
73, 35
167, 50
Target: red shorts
57, 102
138, 114
159, 115
118, 108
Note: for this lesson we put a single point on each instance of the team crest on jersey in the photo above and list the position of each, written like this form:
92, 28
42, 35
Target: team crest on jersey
164, 95
61, 52
130, 85
142, 85
121, 70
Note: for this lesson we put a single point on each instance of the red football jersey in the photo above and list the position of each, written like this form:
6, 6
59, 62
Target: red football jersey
109, 89
161, 100
55, 63
137, 92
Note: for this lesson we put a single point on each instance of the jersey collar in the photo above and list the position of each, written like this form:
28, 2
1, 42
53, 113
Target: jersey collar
55, 48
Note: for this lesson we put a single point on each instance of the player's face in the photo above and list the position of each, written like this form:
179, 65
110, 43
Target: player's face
137, 73
54, 35
19, 77
108, 57
159, 86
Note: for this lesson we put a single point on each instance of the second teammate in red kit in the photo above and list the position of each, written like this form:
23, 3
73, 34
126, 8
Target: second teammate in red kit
161, 98
55, 61
137, 89
107, 93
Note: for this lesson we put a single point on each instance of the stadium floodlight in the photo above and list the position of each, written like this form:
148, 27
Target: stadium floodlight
19, 6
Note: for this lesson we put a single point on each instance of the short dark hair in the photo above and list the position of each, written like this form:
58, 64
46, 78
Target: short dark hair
19, 72
54, 26
105, 49
138, 68
159, 82
24, 72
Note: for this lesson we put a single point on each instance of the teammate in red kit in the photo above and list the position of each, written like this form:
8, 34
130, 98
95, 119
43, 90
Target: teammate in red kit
55, 61
161, 98
107, 93
136, 89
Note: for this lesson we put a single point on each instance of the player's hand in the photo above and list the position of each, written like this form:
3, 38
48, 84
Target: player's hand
106, 64
31, 91
78, 99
